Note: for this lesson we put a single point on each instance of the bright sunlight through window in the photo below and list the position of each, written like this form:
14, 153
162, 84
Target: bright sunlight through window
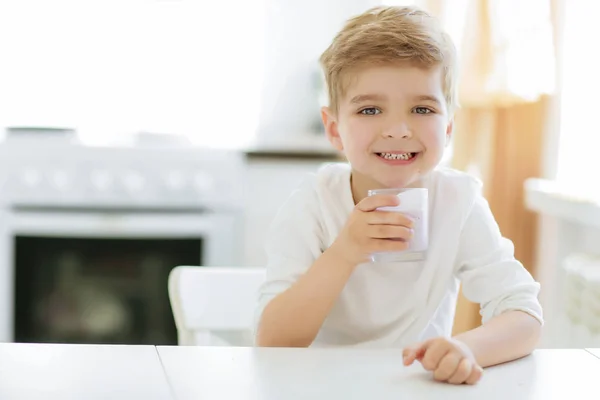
579, 142
117, 67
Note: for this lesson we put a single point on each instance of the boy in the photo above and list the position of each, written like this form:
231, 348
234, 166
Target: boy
391, 77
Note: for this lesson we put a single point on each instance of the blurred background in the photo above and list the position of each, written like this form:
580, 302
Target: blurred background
138, 135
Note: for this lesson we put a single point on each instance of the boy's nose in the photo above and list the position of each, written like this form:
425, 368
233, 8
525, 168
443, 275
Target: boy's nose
398, 130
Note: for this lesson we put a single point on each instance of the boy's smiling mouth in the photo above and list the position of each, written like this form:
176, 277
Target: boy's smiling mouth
397, 156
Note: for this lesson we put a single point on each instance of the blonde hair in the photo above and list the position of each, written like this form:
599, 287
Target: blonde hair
388, 35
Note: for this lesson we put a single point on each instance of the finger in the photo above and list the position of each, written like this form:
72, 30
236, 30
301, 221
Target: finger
415, 352
385, 245
434, 354
371, 203
476, 374
462, 373
409, 356
447, 366
389, 232
389, 218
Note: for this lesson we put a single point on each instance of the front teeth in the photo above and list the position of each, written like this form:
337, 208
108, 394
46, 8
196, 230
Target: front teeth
403, 156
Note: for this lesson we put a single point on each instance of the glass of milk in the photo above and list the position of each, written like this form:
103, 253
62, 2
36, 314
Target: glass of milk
414, 203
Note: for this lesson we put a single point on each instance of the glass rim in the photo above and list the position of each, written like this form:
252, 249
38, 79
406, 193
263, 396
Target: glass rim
373, 192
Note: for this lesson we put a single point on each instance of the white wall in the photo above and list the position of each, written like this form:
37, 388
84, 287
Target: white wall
112, 68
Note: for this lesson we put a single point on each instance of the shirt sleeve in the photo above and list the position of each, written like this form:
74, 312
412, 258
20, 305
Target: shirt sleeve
489, 273
292, 245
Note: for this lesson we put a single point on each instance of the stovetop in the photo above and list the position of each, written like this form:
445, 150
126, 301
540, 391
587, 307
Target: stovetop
76, 176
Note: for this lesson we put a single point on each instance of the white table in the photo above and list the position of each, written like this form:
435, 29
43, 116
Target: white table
595, 352
48, 372
274, 374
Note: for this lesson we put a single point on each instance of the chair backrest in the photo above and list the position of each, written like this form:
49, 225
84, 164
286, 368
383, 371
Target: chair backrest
214, 306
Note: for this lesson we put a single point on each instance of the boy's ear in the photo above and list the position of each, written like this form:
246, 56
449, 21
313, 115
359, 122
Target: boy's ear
331, 128
449, 131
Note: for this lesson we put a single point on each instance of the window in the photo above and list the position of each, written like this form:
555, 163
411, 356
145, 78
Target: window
111, 68
578, 160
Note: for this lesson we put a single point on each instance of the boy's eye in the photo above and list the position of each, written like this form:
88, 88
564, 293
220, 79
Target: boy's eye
370, 111
422, 110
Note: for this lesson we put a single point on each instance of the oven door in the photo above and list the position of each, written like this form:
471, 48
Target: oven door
101, 277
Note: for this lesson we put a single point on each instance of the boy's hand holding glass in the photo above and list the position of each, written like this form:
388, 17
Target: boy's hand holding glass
369, 230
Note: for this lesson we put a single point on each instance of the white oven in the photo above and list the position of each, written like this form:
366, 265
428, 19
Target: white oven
89, 235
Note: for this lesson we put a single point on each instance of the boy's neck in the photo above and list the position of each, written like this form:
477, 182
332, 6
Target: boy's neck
361, 184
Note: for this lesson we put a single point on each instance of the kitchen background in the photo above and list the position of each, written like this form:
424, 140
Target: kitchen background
138, 135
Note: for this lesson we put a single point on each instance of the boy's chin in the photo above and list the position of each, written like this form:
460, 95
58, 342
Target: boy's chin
380, 180
398, 183
411, 182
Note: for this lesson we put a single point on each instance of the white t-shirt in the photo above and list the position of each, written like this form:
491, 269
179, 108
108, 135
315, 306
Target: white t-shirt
396, 304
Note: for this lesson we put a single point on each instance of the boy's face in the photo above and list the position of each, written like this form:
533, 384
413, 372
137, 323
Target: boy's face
392, 125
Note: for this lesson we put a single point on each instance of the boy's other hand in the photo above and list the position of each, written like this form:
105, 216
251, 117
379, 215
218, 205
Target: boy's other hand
369, 230
450, 360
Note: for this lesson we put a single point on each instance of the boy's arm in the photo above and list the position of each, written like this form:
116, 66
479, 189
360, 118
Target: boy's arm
506, 292
510, 335
304, 282
294, 317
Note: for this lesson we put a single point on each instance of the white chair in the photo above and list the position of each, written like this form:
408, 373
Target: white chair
214, 306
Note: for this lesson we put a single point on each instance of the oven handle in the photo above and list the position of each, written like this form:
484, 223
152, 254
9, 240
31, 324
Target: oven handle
120, 225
